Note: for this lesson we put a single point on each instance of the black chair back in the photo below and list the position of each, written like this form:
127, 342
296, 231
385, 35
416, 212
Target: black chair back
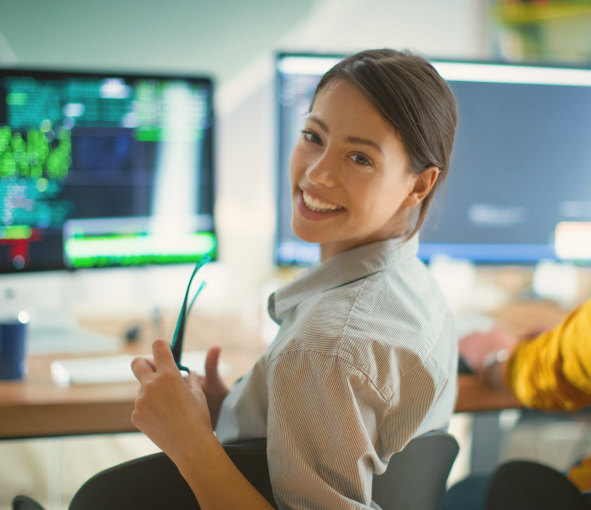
525, 485
415, 479
416, 476
25, 503
154, 482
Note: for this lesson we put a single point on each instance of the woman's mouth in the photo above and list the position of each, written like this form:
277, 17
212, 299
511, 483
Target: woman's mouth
315, 209
317, 205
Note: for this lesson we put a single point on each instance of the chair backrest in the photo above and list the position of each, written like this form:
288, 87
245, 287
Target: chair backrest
154, 482
416, 476
25, 503
525, 485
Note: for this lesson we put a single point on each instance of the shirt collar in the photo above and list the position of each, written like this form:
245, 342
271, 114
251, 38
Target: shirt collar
340, 270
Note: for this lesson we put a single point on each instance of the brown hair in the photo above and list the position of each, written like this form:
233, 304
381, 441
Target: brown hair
409, 93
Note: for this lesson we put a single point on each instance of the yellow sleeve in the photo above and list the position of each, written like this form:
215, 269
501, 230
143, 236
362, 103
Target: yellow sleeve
553, 370
581, 475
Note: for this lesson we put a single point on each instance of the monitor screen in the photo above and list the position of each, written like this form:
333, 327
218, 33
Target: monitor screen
104, 169
519, 186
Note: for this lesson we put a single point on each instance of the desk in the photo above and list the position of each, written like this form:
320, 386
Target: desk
38, 407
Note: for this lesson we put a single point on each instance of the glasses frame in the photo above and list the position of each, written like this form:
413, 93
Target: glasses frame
179, 333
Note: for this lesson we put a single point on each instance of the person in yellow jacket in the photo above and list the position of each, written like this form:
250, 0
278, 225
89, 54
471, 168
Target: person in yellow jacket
551, 371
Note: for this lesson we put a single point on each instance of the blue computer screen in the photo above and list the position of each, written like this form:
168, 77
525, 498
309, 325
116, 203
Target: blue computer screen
520, 165
104, 169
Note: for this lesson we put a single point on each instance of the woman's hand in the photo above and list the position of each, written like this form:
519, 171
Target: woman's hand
212, 385
172, 412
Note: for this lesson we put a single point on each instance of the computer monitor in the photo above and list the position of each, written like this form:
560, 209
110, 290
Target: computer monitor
104, 169
519, 187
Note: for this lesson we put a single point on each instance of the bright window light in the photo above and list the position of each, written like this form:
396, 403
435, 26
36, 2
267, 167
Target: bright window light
500, 73
573, 240
307, 65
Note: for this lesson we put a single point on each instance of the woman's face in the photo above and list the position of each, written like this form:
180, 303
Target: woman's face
350, 177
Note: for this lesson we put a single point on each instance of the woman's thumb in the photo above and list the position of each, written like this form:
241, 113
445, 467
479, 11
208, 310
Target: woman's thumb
211, 363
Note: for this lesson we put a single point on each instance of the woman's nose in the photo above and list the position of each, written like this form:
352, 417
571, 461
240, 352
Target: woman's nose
323, 170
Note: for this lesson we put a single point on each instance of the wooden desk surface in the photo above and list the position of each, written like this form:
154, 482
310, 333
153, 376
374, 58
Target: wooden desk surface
37, 407
40, 408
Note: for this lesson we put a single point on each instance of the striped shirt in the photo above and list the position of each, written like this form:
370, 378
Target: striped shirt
365, 360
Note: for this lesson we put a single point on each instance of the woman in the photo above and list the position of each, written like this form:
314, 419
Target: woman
366, 355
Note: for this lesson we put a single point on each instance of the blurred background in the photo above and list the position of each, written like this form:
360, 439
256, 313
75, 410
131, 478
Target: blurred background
235, 45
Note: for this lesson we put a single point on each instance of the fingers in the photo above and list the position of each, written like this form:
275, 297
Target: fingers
193, 381
163, 357
211, 362
141, 368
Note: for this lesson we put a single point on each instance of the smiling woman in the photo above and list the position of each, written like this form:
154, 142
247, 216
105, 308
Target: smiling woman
412, 102
366, 355
351, 167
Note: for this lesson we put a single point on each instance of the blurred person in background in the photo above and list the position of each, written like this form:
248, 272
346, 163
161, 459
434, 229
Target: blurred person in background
550, 371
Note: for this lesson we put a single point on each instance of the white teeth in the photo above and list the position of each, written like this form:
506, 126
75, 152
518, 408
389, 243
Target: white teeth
316, 205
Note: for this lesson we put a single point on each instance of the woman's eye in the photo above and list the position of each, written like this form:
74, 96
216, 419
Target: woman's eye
360, 160
311, 137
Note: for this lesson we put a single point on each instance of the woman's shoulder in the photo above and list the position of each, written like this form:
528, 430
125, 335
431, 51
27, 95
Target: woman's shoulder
399, 304
317, 323
400, 321
381, 324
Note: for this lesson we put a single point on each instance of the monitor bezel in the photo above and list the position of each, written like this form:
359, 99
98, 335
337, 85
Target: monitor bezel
550, 64
65, 72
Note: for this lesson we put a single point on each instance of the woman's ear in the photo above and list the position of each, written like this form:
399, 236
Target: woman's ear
423, 184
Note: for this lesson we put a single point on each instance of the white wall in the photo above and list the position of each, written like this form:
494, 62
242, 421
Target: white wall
235, 41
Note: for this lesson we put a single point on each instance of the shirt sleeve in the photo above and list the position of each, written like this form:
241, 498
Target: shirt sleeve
580, 475
553, 371
323, 419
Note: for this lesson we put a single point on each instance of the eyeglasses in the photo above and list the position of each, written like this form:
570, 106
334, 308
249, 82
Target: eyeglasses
179, 333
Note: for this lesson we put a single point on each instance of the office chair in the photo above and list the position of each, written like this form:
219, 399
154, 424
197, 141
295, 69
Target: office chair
524, 485
467, 494
415, 479
416, 476
154, 482
25, 503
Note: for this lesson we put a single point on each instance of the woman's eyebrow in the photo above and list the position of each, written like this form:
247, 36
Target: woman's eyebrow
349, 139
364, 141
321, 123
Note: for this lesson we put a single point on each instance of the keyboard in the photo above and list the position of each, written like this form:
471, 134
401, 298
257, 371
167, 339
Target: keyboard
117, 369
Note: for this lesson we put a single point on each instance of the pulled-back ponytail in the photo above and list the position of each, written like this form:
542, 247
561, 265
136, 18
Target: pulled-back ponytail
409, 93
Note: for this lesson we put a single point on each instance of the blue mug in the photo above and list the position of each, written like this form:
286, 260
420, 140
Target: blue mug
12, 350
